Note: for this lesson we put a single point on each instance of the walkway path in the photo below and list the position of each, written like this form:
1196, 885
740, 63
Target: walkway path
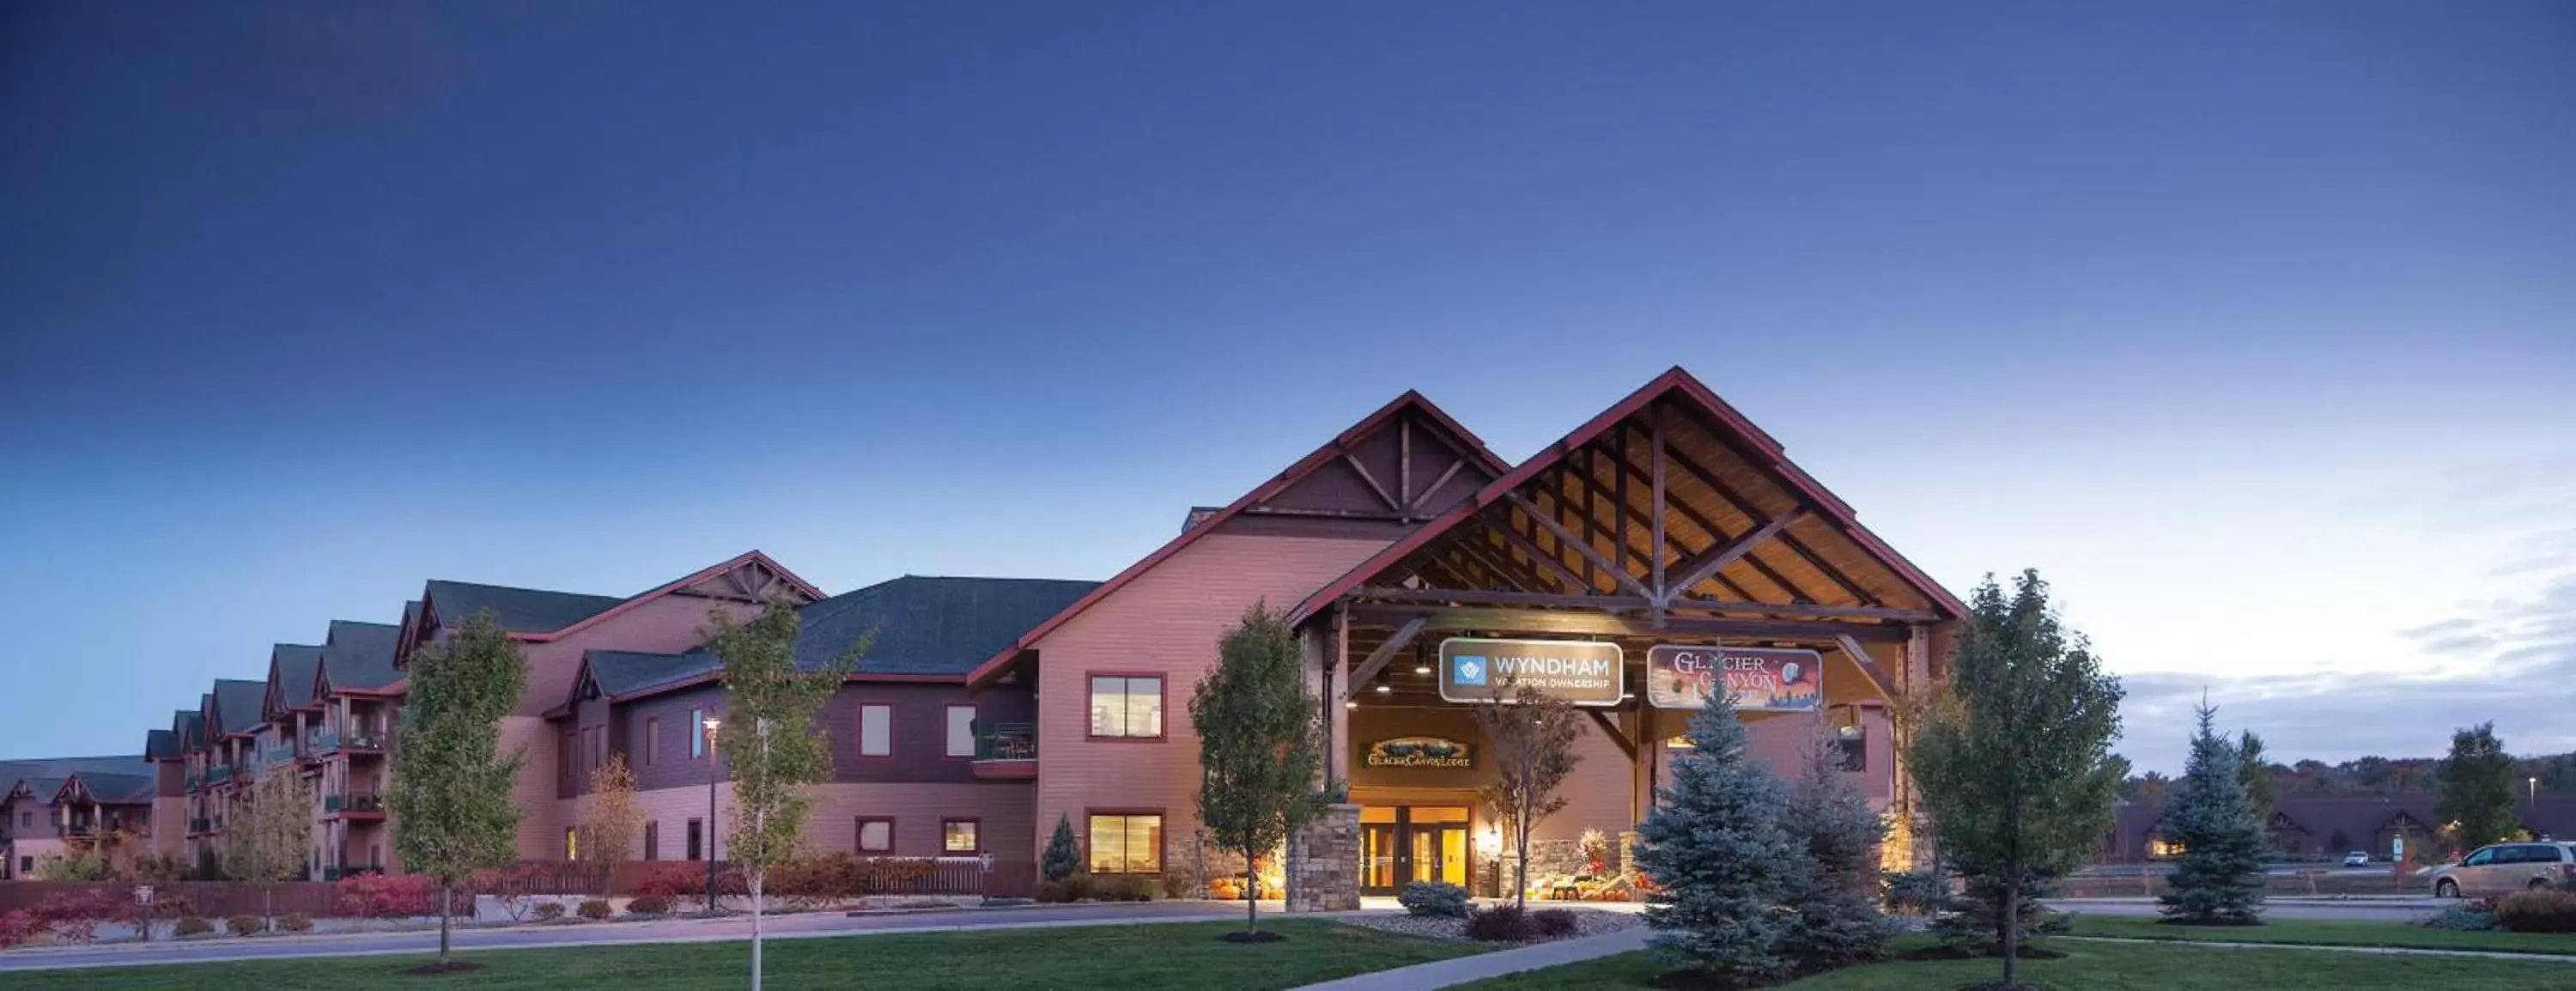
2386, 951
805, 925
1465, 970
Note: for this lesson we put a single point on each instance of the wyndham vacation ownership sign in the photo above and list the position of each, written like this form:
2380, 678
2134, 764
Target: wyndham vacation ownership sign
1583, 672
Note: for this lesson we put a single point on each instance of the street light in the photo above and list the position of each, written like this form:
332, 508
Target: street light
712, 724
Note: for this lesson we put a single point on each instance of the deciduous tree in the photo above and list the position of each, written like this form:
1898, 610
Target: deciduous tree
1259, 750
2261, 784
2478, 787
271, 839
610, 819
451, 781
1529, 737
2013, 755
771, 744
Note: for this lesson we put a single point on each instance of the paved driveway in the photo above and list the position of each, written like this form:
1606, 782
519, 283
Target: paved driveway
801, 926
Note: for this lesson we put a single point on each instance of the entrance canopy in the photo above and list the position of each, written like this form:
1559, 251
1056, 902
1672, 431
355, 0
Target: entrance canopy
1667, 517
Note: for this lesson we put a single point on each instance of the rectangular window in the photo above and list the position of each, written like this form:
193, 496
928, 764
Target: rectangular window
961, 731
652, 740
876, 835
1126, 843
652, 841
572, 843
960, 836
697, 738
876, 731
1128, 707
697, 840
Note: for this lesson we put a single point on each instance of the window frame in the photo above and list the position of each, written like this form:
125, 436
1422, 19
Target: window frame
859, 728
859, 836
947, 728
1162, 704
974, 822
695, 830
652, 839
698, 749
652, 740
1162, 853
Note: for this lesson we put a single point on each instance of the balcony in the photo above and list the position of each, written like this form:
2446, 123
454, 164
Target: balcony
355, 805
80, 830
201, 825
1006, 750
219, 774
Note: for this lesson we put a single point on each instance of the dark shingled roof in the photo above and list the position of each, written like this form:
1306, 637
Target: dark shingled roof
160, 744
237, 704
931, 626
117, 788
45, 775
294, 664
621, 671
517, 610
197, 728
361, 655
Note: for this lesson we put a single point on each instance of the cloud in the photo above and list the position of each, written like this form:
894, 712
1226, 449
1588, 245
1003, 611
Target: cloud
2512, 662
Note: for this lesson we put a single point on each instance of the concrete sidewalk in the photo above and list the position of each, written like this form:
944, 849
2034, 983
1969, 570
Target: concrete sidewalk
2384, 951
1464, 970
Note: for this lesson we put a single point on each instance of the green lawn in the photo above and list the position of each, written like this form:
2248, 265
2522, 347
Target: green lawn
2330, 933
1105, 957
2118, 967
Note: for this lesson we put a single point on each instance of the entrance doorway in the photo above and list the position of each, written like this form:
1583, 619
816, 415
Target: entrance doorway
1401, 844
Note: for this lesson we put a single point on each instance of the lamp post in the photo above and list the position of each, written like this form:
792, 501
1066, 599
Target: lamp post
711, 724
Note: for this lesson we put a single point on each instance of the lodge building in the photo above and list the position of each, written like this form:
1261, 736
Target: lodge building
1662, 550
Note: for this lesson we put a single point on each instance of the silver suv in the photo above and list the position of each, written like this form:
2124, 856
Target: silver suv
2504, 868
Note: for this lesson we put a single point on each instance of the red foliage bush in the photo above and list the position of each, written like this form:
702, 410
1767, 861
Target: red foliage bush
2540, 910
17, 927
74, 918
387, 896
688, 879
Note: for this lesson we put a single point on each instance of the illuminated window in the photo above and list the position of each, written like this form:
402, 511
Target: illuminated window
959, 836
1126, 844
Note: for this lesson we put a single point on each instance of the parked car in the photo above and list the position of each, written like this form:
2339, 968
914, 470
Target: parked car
2357, 858
2504, 868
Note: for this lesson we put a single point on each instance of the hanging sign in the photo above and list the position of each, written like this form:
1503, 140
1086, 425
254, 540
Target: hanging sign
1582, 672
1419, 751
1758, 679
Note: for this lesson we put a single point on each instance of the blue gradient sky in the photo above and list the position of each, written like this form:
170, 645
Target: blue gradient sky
2253, 328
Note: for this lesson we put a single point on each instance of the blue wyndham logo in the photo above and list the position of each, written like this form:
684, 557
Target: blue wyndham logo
1467, 669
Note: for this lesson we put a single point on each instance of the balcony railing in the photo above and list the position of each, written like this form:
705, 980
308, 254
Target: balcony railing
219, 774
80, 829
279, 755
359, 801
200, 825
1007, 741
363, 738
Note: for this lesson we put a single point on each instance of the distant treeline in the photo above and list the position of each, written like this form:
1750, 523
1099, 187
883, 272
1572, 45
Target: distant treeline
2372, 776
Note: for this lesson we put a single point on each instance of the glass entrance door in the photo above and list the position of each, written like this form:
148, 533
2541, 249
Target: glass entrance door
1403, 844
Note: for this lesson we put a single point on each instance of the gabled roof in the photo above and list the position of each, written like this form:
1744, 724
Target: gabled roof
43, 777
160, 744
1198, 526
201, 729
927, 625
114, 789
290, 679
515, 610
619, 673
358, 656
1732, 432
237, 705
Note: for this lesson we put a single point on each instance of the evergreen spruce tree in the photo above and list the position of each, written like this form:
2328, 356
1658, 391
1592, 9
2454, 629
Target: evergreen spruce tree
1721, 864
1836, 920
2219, 878
1063, 858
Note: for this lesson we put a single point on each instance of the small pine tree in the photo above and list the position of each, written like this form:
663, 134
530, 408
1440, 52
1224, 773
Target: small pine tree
1721, 864
1837, 920
2219, 878
1063, 857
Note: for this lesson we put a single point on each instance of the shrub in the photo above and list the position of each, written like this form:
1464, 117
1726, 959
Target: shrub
1132, 888
242, 925
648, 905
548, 911
1063, 857
2540, 910
74, 918
16, 927
594, 909
1555, 922
1439, 898
193, 925
2460, 919
1501, 924
1917, 893
688, 879
387, 896
1072, 889
1179, 885
295, 922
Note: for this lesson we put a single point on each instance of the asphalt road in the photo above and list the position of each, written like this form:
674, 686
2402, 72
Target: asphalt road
800, 926
2358, 909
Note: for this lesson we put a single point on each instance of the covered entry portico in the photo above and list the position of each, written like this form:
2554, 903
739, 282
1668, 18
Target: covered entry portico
1667, 520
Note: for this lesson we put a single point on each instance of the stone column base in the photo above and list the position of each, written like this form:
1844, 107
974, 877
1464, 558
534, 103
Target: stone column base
1324, 862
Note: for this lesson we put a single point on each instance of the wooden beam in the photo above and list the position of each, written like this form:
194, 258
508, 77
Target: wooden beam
1655, 413
1554, 562
1621, 479
1868, 666
1633, 603
1404, 466
1567, 539
1560, 509
1701, 568
1352, 460
1619, 500
1337, 514
1543, 621
1717, 533
1385, 652
1475, 550
1744, 505
1436, 483
1611, 730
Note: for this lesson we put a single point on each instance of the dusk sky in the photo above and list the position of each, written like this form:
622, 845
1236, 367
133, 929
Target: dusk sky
2253, 326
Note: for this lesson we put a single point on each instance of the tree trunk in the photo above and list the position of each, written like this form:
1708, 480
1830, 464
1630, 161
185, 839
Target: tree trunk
446, 909
2012, 931
755, 876
1251, 893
